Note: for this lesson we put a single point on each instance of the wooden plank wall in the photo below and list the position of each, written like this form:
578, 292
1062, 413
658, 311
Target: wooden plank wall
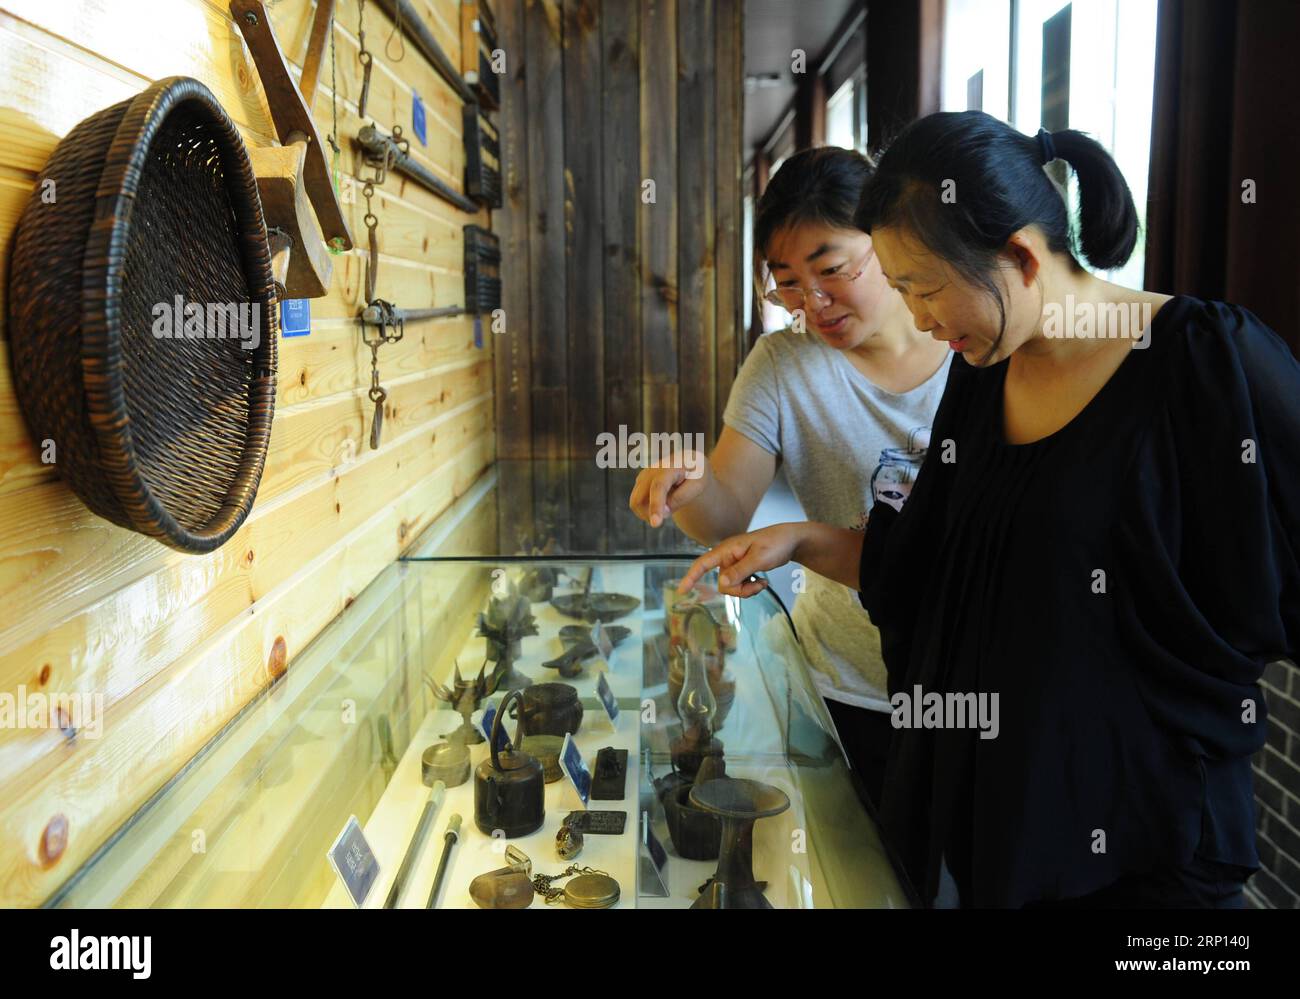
177, 644
618, 311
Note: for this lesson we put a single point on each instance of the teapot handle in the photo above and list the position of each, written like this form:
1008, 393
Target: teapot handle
496, 725
492, 793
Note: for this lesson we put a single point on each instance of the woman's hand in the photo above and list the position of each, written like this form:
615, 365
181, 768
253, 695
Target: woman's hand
662, 491
741, 556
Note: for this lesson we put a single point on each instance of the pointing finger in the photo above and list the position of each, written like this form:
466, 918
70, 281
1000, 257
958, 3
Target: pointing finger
711, 559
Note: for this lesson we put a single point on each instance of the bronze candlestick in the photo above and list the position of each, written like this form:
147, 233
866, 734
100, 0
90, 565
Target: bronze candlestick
504, 624
464, 696
739, 804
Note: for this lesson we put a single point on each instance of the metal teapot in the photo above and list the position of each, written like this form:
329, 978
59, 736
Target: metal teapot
509, 787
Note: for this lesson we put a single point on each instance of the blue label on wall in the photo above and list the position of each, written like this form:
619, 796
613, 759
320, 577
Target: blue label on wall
295, 317
417, 119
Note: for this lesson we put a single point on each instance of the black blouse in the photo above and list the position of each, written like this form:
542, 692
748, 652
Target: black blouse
1120, 585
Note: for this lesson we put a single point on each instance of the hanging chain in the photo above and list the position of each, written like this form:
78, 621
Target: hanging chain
542, 882
388, 320
390, 327
380, 165
372, 229
365, 57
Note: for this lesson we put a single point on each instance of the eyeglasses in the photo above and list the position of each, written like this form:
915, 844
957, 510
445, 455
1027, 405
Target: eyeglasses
833, 284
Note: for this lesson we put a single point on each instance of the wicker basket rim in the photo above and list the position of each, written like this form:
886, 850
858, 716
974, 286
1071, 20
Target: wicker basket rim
115, 201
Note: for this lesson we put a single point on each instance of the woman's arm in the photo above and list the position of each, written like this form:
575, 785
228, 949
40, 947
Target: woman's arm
833, 552
718, 503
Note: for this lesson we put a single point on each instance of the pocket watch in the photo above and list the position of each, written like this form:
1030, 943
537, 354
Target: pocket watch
568, 841
591, 889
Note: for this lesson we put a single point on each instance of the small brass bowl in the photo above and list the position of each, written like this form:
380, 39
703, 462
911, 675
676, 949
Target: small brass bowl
447, 762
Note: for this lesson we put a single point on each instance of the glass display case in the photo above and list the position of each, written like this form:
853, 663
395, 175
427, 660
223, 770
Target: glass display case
549, 507
721, 759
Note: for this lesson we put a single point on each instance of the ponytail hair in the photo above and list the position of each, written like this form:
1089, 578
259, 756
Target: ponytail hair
998, 185
1107, 224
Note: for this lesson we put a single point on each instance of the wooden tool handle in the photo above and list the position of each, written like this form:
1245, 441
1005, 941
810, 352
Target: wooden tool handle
320, 29
292, 118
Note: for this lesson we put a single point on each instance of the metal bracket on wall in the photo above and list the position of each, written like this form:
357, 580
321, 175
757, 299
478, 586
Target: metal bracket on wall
381, 148
375, 315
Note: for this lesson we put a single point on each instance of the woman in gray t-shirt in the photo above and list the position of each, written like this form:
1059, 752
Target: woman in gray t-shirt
843, 399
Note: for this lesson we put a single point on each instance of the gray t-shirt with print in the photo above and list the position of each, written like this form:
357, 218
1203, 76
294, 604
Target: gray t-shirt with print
846, 444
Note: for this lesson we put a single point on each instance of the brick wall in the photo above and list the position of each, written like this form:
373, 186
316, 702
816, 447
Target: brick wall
1277, 793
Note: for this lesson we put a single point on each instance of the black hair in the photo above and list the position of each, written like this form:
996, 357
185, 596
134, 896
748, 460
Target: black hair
998, 185
822, 185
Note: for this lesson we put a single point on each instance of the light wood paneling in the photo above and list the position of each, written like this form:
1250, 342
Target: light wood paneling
177, 644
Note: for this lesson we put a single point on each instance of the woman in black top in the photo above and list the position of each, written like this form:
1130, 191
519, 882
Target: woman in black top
1101, 544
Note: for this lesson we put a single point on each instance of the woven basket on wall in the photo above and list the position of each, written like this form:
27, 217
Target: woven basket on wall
152, 198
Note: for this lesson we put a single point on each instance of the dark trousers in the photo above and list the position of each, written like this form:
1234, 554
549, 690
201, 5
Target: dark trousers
865, 736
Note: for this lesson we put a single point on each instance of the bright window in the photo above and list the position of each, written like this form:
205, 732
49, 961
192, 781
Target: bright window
976, 43
1099, 78
747, 258
840, 117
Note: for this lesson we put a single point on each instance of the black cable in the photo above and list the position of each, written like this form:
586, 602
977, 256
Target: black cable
779, 602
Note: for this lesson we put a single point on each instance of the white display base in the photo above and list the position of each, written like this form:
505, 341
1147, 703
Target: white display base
392, 824
754, 748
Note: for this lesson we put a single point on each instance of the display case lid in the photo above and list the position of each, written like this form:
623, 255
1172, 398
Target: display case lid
553, 508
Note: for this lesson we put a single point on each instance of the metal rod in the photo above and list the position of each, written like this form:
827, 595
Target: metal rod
449, 839
373, 315
401, 11
378, 145
413, 849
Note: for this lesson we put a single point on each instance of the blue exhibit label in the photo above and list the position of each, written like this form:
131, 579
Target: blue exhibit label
575, 768
354, 862
295, 317
485, 726
417, 119
607, 700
